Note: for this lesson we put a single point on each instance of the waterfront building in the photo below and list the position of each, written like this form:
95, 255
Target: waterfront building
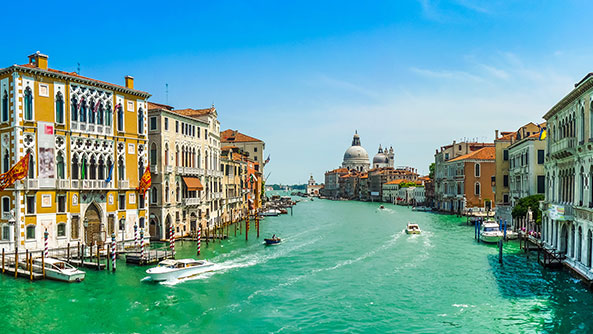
313, 189
567, 226
349, 185
185, 169
502, 196
87, 141
380, 176
384, 158
356, 157
234, 169
526, 167
363, 187
468, 182
332, 182
446, 187
390, 190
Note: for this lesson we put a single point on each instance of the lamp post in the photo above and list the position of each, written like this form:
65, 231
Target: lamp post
12, 222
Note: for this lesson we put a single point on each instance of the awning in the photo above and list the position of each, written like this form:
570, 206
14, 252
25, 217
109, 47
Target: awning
192, 183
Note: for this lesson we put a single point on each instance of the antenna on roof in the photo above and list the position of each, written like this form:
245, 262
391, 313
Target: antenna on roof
166, 93
78, 68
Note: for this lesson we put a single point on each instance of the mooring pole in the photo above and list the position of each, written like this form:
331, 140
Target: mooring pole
500, 251
113, 252
199, 238
247, 228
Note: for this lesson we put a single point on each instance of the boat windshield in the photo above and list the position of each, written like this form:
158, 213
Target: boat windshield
491, 229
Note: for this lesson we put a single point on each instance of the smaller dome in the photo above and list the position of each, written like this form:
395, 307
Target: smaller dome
380, 158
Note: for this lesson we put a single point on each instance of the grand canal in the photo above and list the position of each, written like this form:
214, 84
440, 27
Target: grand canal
343, 267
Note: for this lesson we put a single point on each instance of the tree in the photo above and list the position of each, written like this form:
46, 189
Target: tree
431, 171
520, 209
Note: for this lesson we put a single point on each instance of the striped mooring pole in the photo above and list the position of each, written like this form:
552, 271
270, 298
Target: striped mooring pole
113, 257
171, 239
199, 238
141, 245
257, 224
135, 235
46, 249
247, 228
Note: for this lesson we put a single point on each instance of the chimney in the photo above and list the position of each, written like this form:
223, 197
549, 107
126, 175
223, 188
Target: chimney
39, 60
129, 82
495, 134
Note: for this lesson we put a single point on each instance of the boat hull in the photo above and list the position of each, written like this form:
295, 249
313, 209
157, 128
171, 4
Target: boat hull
272, 241
58, 276
160, 276
489, 238
412, 232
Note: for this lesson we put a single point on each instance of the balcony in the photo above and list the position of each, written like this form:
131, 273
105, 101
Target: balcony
190, 171
563, 148
63, 184
154, 169
31, 184
191, 201
168, 169
123, 184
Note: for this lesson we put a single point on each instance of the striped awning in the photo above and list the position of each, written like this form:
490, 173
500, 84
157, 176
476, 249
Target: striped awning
193, 183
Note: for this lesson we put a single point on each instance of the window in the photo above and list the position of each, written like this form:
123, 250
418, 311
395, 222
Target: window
177, 126
505, 155
31, 166
28, 102
255, 149
30, 232
61, 229
74, 228
205, 133
82, 110
108, 115
5, 205
92, 111
141, 225
30, 204
198, 132
153, 123
121, 170
100, 114
61, 203
5, 107
60, 167
505, 181
120, 118
5, 232
477, 170
141, 201
153, 195
75, 168
153, 154
505, 198
166, 123
540, 157
141, 121
477, 188
6, 161
541, 182
73, 109
122, 201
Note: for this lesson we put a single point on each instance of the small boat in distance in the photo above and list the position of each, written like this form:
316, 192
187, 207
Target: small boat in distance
59, 270
413, 229
170, 270
490, 232
381, 207
273, 240
270, 213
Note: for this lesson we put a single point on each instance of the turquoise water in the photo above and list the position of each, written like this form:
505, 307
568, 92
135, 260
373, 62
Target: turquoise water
342, 267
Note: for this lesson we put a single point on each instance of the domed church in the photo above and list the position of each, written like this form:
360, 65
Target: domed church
384, 158
356, 157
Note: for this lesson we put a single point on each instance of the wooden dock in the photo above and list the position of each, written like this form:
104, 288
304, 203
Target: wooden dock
23, 273
150, 256
85, 264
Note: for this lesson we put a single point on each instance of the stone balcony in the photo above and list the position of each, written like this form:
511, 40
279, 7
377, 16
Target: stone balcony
123, 184
189, 171
191, 201
563, 148
168, 169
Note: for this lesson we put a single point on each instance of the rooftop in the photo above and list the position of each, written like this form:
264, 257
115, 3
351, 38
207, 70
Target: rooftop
230, 136
486, 153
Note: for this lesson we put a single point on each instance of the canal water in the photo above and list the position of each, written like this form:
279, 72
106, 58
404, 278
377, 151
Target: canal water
342, 267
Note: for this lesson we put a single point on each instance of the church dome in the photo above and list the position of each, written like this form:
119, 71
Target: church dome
356, 153
380, 158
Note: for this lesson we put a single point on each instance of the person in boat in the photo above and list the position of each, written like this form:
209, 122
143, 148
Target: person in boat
274, 236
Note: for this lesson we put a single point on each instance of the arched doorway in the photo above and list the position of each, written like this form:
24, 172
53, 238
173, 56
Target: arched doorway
93, 232
167, 227
154, 228
563, 239
193, 222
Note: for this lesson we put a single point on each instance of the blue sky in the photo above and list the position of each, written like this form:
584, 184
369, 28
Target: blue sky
303, 76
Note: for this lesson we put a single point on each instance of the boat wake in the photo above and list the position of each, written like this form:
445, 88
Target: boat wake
421, 256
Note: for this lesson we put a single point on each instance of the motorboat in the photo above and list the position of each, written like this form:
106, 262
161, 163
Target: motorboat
170, 270
273, 241
270, 212
283, 211
382, 207
490, 232
59, 270
420, 208
413, 229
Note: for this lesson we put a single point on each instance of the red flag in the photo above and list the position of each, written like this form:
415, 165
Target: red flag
145, 182
17, 172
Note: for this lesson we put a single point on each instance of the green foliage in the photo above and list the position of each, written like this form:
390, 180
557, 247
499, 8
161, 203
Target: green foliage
431, 171
408, 184
520, 209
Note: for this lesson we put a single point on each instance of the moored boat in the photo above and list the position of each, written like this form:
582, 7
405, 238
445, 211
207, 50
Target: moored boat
270, 212
413, 229
170, 270
490, 232
59, 270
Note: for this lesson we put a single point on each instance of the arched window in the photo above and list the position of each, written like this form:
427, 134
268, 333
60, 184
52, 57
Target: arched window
82, 110
167, 192
579, 243
477, 170
153, 154
582, 127
84, 169
74, 109
109, 170
74, 172
5, 161
140, 121
30, 234
28, 101
59, 108
5, 107
60, 166
101, 169
91, 111
120, 118
100, 114
31, 166
176, 155
477, 188
140, 169
108, 115
177, 193
166, 154
153, 195
121, 171
93, 169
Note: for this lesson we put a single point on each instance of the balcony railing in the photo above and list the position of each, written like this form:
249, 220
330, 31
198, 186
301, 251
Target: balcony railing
189, 170
122, 184
94, 128
63, 184
191, 201
563, 147
154, 169
32, 184
168, 169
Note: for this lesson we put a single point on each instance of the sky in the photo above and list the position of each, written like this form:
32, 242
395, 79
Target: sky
303, 76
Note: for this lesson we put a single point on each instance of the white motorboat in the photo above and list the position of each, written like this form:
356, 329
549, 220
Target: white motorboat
170, 270
413, 229
490, 232
270, 213
59, 270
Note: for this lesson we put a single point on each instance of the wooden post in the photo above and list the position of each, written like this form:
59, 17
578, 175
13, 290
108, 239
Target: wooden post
68, 253
98, 256
78, 248
108, 258
3, 260
257, 224
500, 251
16, 261
235, 228
31, 266
43, 263
247, 229
207, 234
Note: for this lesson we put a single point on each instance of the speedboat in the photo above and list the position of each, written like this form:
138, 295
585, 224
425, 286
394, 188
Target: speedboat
170, 270
59, 270
272, 241
381, 207
490, 232
413, 229
270, 213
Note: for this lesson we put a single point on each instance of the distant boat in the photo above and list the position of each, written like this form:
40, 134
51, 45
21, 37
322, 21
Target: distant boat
273, 241
270, 212
381, 207
413, 229
170, 270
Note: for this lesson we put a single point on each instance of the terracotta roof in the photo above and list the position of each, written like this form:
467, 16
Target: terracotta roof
486, 153
398, 181
228, 147
74, 74
153, 105
229, 136
194, 112
507, 136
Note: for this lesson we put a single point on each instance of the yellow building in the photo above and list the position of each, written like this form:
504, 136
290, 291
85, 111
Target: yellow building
234, 169
79, 132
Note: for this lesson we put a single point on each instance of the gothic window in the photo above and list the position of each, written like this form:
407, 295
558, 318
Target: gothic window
477, 190
100, 114
176, 155
74, 173
84, 169
140, 169
31, 166
59, 108
101, 170
74, 109
140, 121
82, 110
91, 112
153, 154
93, 169
166, 154
153, 195
28, 104
167, 192
121, 169
5, 107
60, 165
108, 116
120, 118
177, 193
6, 161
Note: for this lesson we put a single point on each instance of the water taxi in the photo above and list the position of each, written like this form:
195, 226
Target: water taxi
170, 270
413, 229
59, 270
273, 240
490, 232
270, 213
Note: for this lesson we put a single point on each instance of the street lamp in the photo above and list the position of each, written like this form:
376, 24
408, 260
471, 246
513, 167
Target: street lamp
12, 221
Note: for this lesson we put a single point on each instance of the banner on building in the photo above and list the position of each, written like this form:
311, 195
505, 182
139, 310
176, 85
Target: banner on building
46, 155
556, 212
